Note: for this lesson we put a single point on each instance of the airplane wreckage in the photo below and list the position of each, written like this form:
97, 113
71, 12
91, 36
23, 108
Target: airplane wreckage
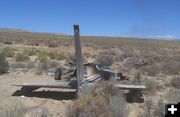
80, 77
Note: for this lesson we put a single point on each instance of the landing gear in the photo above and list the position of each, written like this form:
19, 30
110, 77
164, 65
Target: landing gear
58, 74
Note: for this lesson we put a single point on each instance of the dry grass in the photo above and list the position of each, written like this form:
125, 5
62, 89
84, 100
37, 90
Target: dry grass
105, 100
160, 108
173, 95
148, 106
106, 58
52, 45
39, 112
15, 110
156, 58
58, 55
45, 38
30, 51
150, 86
175, 82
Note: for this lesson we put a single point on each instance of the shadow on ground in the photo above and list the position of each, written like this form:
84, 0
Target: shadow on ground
57, 95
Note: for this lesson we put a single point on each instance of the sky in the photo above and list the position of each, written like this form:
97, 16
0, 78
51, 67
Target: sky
127, 18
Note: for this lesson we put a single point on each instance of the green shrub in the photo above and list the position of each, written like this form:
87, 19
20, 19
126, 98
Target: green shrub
150, 86
4, 65
9, 52
43, 57
29, 52
21, 57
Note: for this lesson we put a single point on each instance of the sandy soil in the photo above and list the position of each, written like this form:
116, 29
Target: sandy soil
51, 99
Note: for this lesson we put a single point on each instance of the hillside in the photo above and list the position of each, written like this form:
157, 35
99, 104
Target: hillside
30, 38
33, 57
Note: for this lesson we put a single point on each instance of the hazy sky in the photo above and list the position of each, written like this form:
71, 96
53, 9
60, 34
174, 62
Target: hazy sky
137, 18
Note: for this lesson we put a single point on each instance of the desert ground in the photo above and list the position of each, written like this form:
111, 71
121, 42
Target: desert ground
33, 56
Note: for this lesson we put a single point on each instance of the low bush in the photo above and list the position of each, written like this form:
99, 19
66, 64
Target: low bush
104, 100
118, 106
61, 56
42, 67
160, 108
52, 45
9, 52
57, 55
106, 88
33, 43
170, 67
150, 86
52, 55
21, 57
119, 57
173, 95
137, 78
152, 70
87, 106
127, 52
70, 58
175, 82
4, 65
30, 52
39, 112
132, 62
17, 109
148, 106
43, 57
106, 58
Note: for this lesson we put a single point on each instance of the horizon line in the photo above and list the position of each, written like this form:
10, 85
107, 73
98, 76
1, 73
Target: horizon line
160, 37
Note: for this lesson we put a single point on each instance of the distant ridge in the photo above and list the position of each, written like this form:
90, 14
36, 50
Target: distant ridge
22, 30
3, 29
13, 29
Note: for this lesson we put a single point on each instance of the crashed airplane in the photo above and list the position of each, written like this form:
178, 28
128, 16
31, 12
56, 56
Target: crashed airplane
80, 76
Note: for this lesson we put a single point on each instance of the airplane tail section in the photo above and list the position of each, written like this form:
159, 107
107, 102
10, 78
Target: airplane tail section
78, 56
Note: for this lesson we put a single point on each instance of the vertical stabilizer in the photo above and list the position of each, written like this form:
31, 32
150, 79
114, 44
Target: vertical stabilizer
78, 56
